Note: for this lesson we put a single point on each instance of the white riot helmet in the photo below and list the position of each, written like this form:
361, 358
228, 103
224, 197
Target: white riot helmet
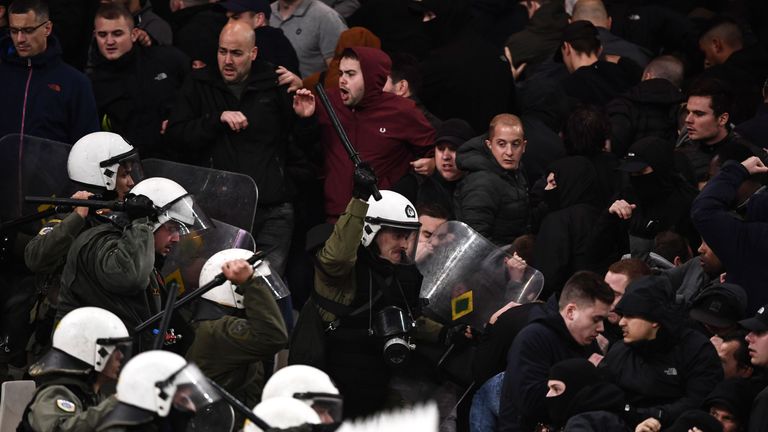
231, 295
95, 158
392, 210
174, 204
309, 385
91, 335
282, 413
156, 380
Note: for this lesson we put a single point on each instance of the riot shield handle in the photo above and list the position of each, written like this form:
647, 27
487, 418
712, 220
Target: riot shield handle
217, 280
353, 154
236, 404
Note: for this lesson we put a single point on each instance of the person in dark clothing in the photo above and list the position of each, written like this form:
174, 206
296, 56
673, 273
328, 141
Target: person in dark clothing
649, 108
619, 275
135, 86
148, 21
753, 129
567, 328
541, 36
594, 11
196, 26
571, 195
707, 125
397, 24
580, 399
43, 96
727, 58
729, 402
447, 89
657, 198
438, 188
664, 369
493, 197
757, 340
273, 46
242, 120
719, 308
587, 133
737, 242
591, 81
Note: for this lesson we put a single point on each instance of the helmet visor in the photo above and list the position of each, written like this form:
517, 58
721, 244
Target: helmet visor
187, 214
328, 406
271, 279
193, 391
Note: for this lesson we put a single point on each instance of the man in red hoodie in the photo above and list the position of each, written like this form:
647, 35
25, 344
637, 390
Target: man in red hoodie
388, 131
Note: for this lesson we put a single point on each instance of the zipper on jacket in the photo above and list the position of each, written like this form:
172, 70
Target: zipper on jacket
23, 118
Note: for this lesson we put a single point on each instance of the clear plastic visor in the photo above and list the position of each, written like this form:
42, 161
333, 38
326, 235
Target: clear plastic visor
193, 391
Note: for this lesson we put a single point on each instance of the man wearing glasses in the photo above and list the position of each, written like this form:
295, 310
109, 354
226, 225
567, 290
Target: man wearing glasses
43, 96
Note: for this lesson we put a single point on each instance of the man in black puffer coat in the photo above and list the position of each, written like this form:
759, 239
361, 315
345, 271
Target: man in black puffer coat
664, 369
493, 197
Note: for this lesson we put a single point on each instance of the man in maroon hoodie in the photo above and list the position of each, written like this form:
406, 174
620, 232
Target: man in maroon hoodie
388, 131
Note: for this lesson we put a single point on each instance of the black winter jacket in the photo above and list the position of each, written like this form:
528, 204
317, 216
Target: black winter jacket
667, 376
259, 150
135, 93
491, 200
544, 342
647, 109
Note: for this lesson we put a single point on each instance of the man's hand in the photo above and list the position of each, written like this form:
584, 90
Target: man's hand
424, 166
238, 271
304, 103
516, 267
516, 71
82, 195
286, 77
235, 120
498, 313
142, 37
163, 126
754, 165
649, 425
595, 359
622, 209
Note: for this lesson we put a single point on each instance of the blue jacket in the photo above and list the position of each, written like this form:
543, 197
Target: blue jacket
44, 95
741, 245
544, 342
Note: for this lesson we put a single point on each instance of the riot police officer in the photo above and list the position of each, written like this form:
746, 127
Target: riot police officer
89, 346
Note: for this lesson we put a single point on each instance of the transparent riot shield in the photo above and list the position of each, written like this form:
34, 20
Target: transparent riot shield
467, 278
217, 417
186, 259
31, 166
226, 196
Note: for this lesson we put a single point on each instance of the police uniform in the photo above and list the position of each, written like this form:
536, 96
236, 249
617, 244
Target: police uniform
230, 349
65, 400
113, 268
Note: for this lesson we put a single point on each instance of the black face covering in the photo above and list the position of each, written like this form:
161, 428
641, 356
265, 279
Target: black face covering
552, 198
647, 186
558, 409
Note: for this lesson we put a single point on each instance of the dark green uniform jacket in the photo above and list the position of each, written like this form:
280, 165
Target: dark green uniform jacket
230, 350
113, 269
66, 403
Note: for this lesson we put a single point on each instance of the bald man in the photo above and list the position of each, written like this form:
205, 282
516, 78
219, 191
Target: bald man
594, 11
238, 118
493, 197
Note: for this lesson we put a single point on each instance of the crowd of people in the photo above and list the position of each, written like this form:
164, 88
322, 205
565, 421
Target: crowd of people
609, 155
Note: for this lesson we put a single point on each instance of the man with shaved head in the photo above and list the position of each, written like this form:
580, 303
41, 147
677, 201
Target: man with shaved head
493, 197
594, 12
238, 118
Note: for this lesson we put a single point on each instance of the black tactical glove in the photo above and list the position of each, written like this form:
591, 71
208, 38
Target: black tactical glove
365, 181
455, 335
140, 206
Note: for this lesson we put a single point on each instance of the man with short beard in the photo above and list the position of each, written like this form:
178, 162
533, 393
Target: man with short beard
387, 130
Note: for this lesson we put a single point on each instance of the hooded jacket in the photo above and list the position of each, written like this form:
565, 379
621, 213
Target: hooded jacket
740, 244
260, 150
43, 96
388, 132
354, 37
544, 342
647, 109
490, 199
572, 213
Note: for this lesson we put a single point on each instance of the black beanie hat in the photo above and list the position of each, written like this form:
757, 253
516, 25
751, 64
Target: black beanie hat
648, 298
